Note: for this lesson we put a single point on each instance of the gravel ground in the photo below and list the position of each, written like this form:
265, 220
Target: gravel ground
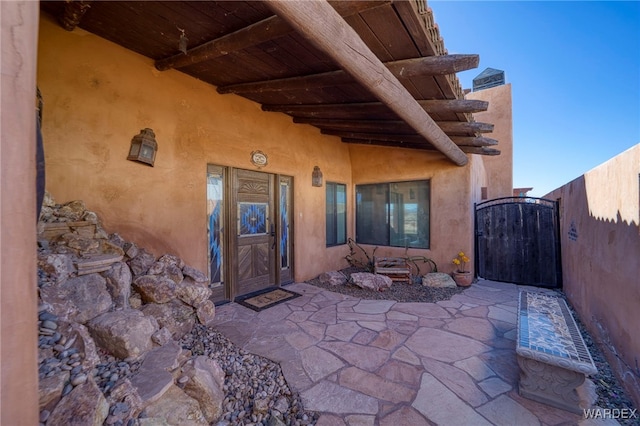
399, 293
610, 393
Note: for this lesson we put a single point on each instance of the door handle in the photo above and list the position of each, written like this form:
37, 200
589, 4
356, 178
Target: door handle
273, 234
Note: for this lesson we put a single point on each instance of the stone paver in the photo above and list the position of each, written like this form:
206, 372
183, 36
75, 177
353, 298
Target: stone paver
376, 362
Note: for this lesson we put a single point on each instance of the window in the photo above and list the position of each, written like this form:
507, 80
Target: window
393, 214
336, 214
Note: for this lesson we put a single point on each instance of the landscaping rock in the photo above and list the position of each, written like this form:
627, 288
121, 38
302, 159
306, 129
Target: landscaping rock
155, 289
78, 299
125, 334
84, 405
58, 266
192, 293
177, 317
141, 262
50, 389
206, 312
205, 384
118, 279
196, 275
177, 408
333, 278
438, 280
371, 281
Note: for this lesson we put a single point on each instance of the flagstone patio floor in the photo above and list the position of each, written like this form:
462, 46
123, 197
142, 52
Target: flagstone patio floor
386, 363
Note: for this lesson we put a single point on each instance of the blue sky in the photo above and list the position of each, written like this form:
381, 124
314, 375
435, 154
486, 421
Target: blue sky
574, 68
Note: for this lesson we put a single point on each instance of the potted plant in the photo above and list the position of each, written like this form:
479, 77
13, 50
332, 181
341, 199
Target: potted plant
461, 276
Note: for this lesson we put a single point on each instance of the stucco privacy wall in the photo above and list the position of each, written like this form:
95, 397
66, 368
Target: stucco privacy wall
600, 240
98, 96
18, 328
451, 217
499, 168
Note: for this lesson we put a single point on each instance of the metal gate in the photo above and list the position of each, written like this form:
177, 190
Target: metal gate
517, 241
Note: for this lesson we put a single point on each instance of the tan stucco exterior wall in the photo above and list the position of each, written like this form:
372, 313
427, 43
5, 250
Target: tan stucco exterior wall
499, 168
451, 210
98, 96
600, 240
18, 282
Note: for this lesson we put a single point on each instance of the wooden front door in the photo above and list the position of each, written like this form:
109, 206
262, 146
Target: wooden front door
254, 231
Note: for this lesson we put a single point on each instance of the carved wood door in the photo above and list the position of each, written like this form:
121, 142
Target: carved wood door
255, 231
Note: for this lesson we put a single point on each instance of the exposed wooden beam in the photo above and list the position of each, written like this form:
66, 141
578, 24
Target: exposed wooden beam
260, 32
414, 67
73, 13
322, 26
393, 126
473, 141
458, 140
377, 109
482, 150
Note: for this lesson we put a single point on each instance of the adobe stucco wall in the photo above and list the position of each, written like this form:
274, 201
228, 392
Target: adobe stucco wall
499, 168
600, 242
451, 210
18, 281
98, 96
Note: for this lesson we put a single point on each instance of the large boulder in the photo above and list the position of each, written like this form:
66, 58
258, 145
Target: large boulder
78, 299
177, 409
369, 281
84, 405
175, 316
205, 384
155, 289
126, 333
192, 293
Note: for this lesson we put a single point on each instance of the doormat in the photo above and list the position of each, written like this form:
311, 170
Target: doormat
266, 298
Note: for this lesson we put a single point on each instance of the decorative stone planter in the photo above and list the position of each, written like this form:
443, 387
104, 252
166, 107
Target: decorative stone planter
463, 279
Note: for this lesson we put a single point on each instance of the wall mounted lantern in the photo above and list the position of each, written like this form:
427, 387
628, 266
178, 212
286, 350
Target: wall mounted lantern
316, 177
144, 147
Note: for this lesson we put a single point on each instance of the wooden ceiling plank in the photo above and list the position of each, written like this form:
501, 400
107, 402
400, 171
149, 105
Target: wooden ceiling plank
453, 127
414, 67
387, 27
267, 29
354, 110
391, 137
481, 150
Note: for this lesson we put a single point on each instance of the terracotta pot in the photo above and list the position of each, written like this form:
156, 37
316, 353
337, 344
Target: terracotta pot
463, 279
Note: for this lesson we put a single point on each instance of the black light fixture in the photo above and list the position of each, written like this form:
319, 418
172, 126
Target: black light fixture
316, 177
144, 147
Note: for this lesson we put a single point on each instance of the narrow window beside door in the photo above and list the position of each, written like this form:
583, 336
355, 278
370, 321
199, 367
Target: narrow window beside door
336, 214
215, 212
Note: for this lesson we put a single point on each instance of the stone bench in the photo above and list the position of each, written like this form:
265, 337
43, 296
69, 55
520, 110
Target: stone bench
553, 358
